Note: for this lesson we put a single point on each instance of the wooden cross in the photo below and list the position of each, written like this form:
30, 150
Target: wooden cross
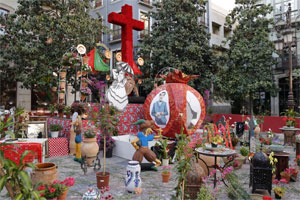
127, 23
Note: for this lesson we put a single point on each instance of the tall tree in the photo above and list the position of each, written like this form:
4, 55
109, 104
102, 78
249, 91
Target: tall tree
247, 64
179, 39
39, 33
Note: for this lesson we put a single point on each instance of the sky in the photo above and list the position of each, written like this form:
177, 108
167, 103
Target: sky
226, 4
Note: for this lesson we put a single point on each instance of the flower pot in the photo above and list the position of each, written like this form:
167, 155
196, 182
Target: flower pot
62, 74
165, 177
83, 84
277, 196
89, 148
82, 97
286, 177
60, 114
63, 196
68, 116
54, 89
133, 179
61, 95
165, 162
84, 73
46, 173
214, 145
109, 152
102, 179
54, 134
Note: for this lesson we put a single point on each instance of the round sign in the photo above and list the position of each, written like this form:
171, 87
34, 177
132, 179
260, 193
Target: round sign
119, 56
81, 49
107, 54
140, 61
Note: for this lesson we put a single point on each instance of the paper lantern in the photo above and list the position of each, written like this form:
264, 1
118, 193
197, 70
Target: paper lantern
175, 105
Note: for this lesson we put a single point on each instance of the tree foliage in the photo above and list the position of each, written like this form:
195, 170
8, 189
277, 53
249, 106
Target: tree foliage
178, 40
247, 64
39, 33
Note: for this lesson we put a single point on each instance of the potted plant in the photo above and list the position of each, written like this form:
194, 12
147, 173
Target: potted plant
297, 160
165, 174
279, 190
52, 109
60, 108
286, 174
89, 147
64, 187
84, 92
165, 151
106, 120
61, 94
294, 172
54, 129
50, 191
273, 162
216, 139
68, 112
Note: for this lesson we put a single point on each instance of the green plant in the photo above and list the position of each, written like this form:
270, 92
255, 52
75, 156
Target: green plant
16, 180
89, 133
244, 151
67, 110
55, 127
166, 169
185, 156
60, 107
52, 108
164, 148
205, 194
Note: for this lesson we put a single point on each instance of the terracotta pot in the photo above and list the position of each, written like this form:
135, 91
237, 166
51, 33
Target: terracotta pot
46, 173
83, 84
102, 180
89, 148
61, 95
61, 115
62, 86
82, 97
68, 116
84, 73
62, 74
63, 196
165, 177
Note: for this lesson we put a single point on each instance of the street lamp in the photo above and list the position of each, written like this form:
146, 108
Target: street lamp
288, 42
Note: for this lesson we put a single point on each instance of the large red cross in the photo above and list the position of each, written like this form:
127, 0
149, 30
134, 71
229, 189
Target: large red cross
127, 23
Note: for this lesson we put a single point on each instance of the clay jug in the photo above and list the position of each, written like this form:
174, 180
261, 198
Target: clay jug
89, 148
46, 173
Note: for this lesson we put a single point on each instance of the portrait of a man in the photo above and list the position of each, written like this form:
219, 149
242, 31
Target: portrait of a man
159, 110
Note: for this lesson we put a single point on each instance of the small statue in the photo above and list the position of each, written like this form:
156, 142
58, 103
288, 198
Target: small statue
144, 136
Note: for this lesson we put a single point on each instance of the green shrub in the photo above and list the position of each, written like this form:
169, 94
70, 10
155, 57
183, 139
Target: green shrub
89, 134
55, 127
244, 151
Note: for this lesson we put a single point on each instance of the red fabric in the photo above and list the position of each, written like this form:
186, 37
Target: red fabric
58, 147
272, 122
36, 148
91, 62
177, 104
127, 23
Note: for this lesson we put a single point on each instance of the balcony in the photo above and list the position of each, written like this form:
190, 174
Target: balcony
283, 63
145, 3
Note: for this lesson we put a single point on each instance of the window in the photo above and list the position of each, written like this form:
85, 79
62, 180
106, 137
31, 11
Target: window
114, 60
227, 32
216, 28
116, 35
98, 3
146, 21
3, 13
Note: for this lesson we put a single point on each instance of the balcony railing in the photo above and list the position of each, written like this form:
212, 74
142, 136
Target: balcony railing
145, 3
283, 63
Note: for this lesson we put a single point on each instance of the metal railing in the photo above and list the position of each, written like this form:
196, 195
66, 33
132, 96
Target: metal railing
283, 62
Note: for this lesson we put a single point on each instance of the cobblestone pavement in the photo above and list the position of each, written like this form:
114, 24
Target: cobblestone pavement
152, 185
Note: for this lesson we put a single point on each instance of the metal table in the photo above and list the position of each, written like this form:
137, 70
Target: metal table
226, 153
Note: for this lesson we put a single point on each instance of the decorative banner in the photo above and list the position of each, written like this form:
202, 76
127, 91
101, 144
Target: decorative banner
95, 61
175, 105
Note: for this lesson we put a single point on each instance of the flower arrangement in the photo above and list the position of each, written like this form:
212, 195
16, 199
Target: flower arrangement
270, 134
85, 91
290, 116
50, 191
71, 59
279, 190
55, 127
267, 141
273, 161
217, 138
60, 107
64, 185
289, 121
166, 169
90, 133
297, 160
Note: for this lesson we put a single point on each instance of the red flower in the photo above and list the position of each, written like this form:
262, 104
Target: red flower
267, 198
291, 119
285, 118
268, 142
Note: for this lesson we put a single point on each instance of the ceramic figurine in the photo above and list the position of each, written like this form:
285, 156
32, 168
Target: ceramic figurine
133, 179
91, 194
144, 136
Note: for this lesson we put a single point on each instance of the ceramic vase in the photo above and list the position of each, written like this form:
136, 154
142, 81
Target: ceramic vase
165, 162
133, 179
